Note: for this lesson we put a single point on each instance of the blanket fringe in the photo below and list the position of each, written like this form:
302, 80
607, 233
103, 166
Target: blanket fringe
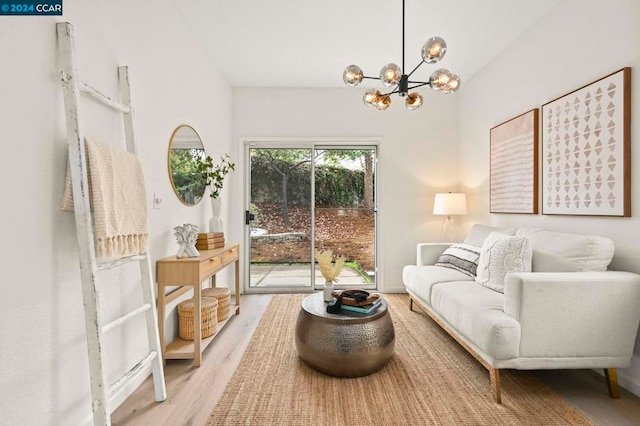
121, 246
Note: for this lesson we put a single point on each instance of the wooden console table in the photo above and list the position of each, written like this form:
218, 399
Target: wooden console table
187, 273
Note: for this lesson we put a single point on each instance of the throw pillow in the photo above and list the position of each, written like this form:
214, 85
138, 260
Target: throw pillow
461, 257
500, 255
563, 252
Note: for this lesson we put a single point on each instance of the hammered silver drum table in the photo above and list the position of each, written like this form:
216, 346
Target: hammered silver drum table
344, 345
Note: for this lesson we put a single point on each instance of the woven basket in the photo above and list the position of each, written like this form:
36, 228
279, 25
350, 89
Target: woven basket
223, 296
209, 314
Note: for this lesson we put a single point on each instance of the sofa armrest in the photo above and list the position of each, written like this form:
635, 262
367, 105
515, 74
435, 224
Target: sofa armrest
575, 313
428, 253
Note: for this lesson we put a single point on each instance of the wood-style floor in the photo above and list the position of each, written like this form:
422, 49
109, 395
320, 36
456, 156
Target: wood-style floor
193, 392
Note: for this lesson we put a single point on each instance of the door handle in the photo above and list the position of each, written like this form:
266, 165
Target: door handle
248, 217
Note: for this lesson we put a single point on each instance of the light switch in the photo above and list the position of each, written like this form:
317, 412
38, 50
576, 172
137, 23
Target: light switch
157, 200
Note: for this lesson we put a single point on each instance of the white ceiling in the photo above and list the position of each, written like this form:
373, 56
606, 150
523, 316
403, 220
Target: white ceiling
308, 43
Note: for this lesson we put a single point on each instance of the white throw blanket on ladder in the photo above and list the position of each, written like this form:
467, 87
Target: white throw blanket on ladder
118, 201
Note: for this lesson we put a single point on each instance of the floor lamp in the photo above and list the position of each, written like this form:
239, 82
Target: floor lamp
449, 204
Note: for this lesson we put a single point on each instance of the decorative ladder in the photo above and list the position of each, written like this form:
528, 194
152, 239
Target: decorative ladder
103, 399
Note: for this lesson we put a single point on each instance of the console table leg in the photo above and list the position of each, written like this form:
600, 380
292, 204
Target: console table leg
197, 325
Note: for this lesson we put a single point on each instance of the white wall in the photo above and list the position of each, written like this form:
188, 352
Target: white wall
417, 154
43, 361
577, 43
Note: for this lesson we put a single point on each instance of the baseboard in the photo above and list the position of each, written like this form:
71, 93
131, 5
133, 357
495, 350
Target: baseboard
630, 383
393, 289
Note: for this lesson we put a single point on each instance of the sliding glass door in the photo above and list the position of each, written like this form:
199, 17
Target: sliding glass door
344, 207
280, 218
303, 198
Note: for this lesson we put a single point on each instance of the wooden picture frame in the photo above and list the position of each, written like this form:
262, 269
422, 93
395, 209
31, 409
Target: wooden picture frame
514, 165
586, 164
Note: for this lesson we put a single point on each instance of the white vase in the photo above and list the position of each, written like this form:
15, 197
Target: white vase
328, 290
215, 223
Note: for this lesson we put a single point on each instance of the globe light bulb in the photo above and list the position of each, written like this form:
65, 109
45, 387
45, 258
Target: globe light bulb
414, 101
352, 75
370, 97
440, 78
383, 102
390, 74
454, 83
434, 50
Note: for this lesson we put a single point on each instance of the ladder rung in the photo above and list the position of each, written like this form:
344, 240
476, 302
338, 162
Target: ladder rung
115, 323
84, 87
132, 374
120, 262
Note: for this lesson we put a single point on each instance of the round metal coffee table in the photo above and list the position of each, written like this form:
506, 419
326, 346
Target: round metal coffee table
344, 345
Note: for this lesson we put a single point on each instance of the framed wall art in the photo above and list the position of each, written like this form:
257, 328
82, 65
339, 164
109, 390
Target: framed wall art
514, 165
586, 149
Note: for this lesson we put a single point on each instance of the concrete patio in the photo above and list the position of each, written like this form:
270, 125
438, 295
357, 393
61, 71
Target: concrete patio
296, 275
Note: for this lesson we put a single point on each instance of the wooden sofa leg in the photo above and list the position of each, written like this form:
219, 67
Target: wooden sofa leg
411, 303
494, 374
611, 375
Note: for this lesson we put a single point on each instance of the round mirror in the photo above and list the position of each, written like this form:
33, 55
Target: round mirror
185, 152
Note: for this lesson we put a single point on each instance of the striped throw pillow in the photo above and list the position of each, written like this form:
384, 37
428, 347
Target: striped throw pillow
461, 257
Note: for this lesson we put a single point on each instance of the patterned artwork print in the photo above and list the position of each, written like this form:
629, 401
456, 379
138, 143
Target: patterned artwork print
513, 165
583, 150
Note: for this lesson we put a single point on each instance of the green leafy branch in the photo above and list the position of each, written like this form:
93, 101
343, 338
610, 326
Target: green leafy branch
215, 174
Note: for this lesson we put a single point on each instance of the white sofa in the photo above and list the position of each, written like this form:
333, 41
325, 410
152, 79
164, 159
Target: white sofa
568, 312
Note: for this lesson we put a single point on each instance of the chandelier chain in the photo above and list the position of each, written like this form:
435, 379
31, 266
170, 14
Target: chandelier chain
403, 35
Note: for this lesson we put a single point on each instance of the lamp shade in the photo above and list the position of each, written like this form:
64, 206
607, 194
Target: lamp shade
450, 204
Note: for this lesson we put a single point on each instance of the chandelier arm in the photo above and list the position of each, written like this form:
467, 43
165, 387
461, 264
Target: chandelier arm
391, 93
414, 70
420, 84
371, 78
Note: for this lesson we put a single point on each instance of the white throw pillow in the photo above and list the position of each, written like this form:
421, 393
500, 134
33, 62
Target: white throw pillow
461, 257
500, 255
563, 252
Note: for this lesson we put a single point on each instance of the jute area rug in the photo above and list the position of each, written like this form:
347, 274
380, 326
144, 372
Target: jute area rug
430, 380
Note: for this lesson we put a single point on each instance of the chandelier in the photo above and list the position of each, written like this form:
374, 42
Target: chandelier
391, 75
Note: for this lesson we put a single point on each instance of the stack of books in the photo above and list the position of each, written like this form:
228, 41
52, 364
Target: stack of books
210, 241
364, 309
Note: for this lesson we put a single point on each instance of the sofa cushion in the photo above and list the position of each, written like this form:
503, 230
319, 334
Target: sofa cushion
563, 252
420, 279
461, 257
502, 254
477, 313
478, 233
